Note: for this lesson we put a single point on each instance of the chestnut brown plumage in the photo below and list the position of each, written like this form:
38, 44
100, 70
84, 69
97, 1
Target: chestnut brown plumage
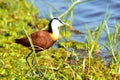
42, 39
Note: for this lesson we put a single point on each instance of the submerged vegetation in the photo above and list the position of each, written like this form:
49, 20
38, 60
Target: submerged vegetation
72, 60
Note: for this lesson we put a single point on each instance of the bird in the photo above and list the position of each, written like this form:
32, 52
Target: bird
42, 39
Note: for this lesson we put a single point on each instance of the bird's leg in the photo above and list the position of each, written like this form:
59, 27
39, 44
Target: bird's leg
33, 72
27, 59
37, 48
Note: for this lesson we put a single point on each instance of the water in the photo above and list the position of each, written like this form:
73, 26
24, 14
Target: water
89, 14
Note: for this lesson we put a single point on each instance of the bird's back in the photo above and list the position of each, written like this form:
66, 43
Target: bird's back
41, 40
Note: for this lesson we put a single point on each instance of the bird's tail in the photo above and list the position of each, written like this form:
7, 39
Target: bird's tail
17, 41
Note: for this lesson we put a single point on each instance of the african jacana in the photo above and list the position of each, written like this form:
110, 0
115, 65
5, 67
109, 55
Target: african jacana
42, 39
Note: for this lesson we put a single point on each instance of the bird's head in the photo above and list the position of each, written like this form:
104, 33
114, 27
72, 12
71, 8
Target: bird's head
54, 24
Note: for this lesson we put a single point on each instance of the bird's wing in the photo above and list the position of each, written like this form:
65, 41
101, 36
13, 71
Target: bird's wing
41, 40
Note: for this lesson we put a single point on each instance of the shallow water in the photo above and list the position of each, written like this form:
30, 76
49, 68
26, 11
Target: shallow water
88, 14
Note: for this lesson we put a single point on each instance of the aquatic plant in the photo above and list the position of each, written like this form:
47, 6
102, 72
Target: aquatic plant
71, 60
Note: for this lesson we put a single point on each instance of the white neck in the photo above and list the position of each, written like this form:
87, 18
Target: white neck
55, 24
55, 33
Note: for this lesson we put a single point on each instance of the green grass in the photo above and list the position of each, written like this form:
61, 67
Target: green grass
54, 63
